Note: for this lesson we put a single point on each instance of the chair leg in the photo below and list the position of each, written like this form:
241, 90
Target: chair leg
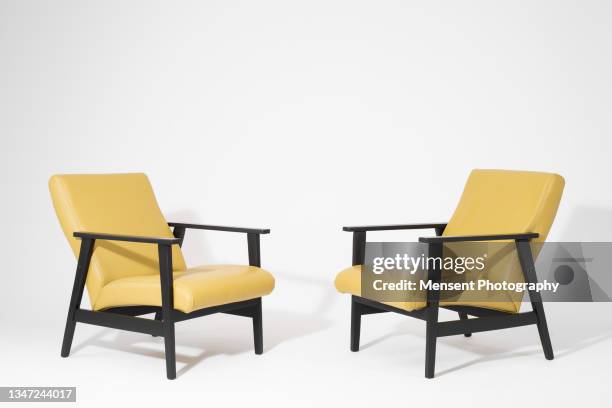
170, 349
167, 294
78, 287
543, 331
68, 335
529, 272
464, 316
433, 306
355, 325
258, 328
430, 349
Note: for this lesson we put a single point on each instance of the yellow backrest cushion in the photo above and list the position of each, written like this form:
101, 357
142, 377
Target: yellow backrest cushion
498, 202
504, 201
116, 204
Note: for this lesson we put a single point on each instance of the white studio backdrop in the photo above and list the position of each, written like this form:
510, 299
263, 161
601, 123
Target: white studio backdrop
298, 116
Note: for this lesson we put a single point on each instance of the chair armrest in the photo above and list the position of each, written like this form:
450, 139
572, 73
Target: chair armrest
126, 238
252, 237
435, 225
220, 228
495, 237
359, 235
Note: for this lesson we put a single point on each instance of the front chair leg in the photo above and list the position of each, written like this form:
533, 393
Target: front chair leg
169, 349
78, 287
430, 345
258, 328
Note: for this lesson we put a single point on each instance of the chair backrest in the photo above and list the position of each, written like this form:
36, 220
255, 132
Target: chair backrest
504, 201
497, 202
114, 204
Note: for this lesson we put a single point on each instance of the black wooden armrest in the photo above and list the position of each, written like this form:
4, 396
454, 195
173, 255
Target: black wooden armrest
220, 228
127, 238
359, 235
435, 225
495, 237
252, 236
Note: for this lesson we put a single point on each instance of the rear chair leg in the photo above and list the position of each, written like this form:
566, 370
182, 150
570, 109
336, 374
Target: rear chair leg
355, 325
258, 328
167, 295
433, 304
464, 316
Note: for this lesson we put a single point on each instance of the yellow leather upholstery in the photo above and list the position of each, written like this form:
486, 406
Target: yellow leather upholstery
125, 273
498, 201
194, 288
349, 281
493, 202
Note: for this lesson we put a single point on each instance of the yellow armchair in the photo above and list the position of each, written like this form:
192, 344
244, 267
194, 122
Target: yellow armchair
131, 262
496, 206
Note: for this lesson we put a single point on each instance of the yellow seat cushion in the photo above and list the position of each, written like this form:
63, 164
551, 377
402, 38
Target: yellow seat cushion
194, 288
349, 281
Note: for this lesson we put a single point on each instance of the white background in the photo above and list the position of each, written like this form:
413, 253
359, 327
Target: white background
302, 117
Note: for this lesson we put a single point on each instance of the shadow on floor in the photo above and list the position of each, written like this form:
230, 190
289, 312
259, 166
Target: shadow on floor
201, 338
221, 334
572, 326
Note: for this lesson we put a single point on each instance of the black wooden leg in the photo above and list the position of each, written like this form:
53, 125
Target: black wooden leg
77, 293
355, 325
258, 328
433, 301
464, 316
359, 242
167, 295
529, 272
170, 349
538, 308
68, 335
430, 345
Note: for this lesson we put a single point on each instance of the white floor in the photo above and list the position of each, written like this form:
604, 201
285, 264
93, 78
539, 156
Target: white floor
307, 361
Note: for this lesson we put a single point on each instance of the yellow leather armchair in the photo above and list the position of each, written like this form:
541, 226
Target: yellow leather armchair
516, 207
130, 259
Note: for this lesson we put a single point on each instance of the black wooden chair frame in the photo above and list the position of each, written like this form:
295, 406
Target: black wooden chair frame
485, 319
126, 318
